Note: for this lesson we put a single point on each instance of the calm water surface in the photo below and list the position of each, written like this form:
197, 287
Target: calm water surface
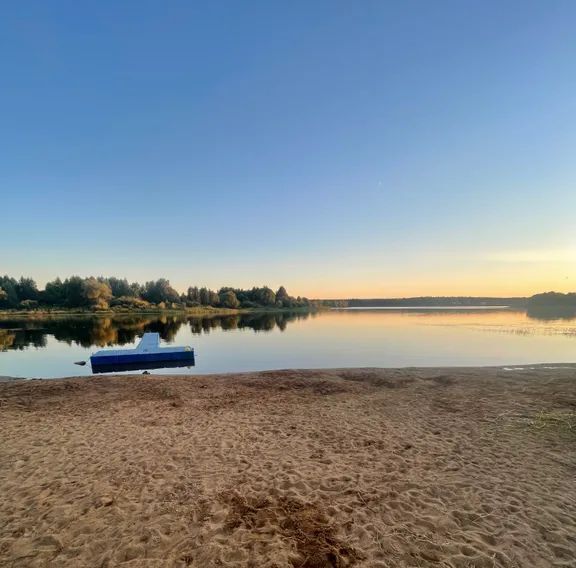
337, 338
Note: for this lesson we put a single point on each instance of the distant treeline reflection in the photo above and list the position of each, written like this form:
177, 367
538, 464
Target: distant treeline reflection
123, 330
551, 313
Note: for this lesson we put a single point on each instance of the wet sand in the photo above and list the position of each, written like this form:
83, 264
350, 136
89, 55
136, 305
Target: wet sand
358, 467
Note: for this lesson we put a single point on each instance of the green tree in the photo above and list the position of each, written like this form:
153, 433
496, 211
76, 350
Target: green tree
193, 295
55, 293
136, 290
283, 300
228, 299
10, 287
266, 296
160, 291
27, 289
119, 287
74, 291
204, 295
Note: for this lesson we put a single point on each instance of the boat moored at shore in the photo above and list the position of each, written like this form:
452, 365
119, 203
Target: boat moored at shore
147, 355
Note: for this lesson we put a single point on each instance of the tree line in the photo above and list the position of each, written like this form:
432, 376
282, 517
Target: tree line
101, 293
553, 299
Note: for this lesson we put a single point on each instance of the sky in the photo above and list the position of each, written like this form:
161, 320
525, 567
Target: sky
341, 149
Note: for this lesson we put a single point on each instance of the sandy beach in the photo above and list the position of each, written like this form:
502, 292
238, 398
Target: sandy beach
303, 469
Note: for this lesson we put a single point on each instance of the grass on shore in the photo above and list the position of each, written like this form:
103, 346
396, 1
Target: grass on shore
197, 311
563, 423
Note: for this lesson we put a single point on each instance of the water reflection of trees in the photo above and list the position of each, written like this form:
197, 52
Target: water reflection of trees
266, 321
123, 330
550, 313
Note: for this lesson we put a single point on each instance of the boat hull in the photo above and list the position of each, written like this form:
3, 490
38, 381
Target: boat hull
147, 355
140, 366
134, 358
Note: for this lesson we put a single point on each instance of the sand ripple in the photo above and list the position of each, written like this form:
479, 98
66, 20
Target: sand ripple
337, 468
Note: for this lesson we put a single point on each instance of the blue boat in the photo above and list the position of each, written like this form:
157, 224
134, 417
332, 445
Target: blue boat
147, 355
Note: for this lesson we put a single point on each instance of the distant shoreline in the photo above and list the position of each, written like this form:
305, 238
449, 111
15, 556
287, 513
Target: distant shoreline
429, 301
359, 308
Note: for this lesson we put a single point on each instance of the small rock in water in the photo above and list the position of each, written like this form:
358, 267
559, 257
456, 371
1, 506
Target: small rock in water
81, 363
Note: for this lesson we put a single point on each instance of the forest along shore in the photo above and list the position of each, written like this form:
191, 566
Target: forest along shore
349, 467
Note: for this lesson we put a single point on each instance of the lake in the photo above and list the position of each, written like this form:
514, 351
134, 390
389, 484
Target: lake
48, 347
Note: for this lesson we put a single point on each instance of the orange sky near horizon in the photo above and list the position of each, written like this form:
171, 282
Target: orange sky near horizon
340, 276
499, 279
502, 275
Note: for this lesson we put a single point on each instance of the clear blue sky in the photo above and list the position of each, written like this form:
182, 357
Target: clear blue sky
339, 148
